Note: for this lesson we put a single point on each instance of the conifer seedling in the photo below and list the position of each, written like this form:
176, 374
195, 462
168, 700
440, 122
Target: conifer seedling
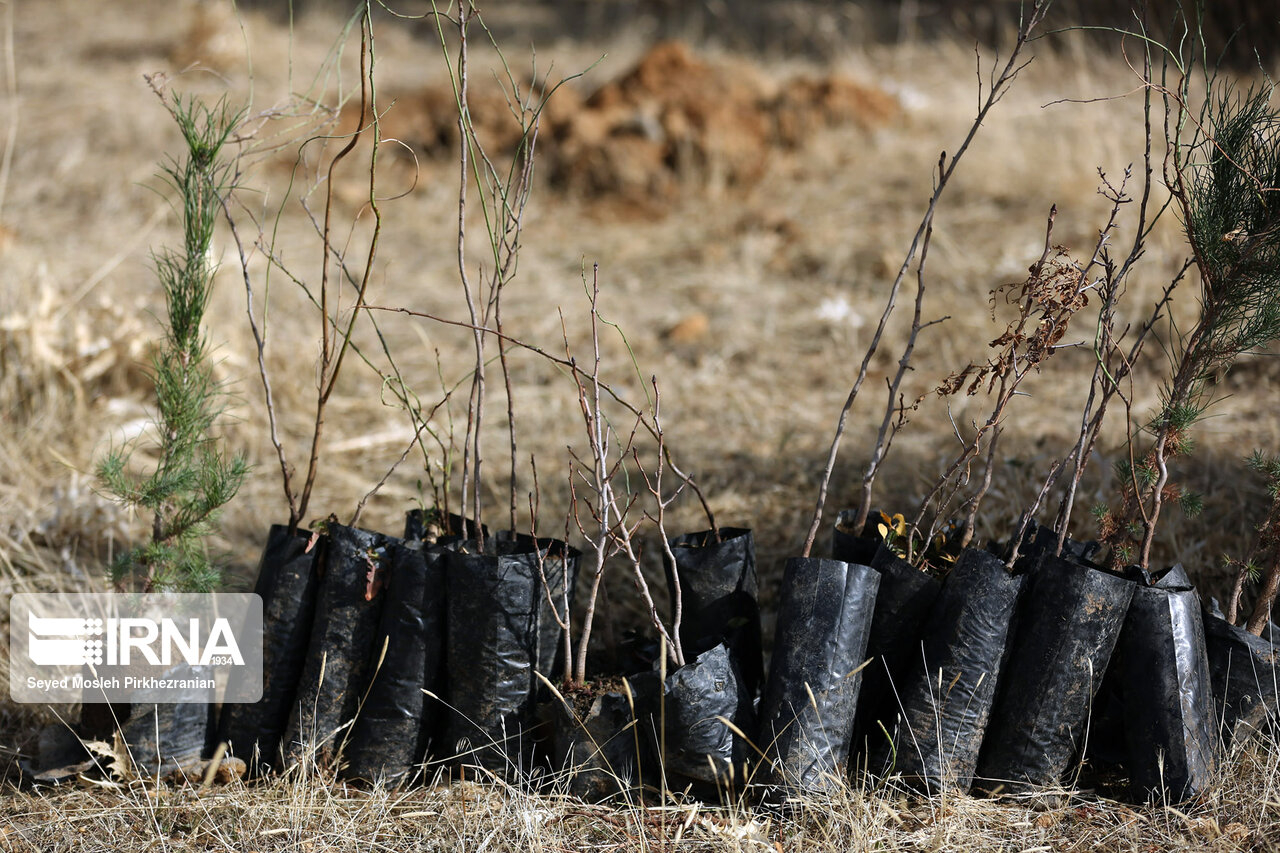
193, 477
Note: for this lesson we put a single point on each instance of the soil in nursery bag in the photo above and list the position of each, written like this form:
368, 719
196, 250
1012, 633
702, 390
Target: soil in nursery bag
341, 655
903, 601
287, 582
718, 591
946, 704
432, 527
681, 720
1162, 698
497, 615
388, 738
1069, 622
595, 743
1244, 670
856, 547
806, 714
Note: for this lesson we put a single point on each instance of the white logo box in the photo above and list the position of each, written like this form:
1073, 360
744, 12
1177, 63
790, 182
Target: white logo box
135, 647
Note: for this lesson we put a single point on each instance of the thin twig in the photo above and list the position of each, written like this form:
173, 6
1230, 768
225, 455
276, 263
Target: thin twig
883, 437
998, 86
331, 363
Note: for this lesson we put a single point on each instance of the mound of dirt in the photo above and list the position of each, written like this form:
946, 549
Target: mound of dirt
807, 105
673, 119
673, 122
427, 120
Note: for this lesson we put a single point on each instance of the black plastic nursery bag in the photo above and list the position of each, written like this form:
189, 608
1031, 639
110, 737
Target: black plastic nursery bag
341, 656
496, 615
1245, 670
903, 602
559, 570
1070, 619
1167, 702
701, 750
806, 714
287, 582
947, 703
166, 736
718, 591
388, 737
850, 546
598, 747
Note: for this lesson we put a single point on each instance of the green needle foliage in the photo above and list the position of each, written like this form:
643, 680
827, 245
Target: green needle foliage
1233, 223
193, 478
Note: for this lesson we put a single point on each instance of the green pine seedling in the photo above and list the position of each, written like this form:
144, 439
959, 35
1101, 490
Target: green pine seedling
1226, 185
193, 477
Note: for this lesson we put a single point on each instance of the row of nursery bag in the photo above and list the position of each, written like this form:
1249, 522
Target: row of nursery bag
386, 655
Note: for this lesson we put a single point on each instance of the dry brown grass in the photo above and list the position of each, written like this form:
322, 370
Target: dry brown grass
317, 813
751, 304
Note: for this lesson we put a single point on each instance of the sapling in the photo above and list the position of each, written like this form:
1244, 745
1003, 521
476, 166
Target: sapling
609, 455
337, 318
1115, 352
499, 186
1107, 278
1001, 78
193, 477
1052, 294
1112, 365
600, 486
1225, 183
1054, 291
1263, 560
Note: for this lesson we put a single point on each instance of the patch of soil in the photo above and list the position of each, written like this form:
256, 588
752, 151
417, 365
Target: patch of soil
582, 696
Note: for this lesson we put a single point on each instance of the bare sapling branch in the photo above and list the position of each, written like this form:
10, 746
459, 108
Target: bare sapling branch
335, 333
502, 190
894, 412
1109, 286
337, 323
597, 475
677, 595
471, 447
643, 416
602, 510
625, 539
971, 517
998, 86
690, 481
1113, 368
1108, 279
260, 344
559, 609
331, 354
1053, 293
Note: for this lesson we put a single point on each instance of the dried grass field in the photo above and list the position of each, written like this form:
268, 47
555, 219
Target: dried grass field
747, 214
